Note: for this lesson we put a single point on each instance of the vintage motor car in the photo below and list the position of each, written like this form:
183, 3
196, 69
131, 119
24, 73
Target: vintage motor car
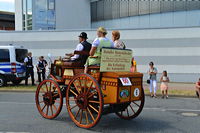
108, 88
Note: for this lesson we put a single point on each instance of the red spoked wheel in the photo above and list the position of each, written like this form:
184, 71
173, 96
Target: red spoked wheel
133, 109
84, 101
48, 98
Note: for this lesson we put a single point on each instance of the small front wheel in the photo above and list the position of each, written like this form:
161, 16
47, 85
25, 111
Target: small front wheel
48, 98
84, 101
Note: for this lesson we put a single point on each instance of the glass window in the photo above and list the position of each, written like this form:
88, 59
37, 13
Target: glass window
124, 8
45, 14
51, 4
27, 14
20, 54
4, 55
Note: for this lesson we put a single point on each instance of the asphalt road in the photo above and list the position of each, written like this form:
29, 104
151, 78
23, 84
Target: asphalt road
174, 115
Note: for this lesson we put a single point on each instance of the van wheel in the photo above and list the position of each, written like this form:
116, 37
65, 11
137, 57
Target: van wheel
2, 81
17, 82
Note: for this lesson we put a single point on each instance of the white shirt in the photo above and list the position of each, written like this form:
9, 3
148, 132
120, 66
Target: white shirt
26, 59
79, 47
96, 42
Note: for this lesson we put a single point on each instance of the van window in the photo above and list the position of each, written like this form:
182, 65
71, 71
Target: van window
21, 54
4, 55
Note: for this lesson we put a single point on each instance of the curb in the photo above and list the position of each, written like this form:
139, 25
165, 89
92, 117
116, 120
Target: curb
17, 90
179, 96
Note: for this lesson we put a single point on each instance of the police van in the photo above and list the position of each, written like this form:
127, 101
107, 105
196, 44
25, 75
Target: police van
12, 66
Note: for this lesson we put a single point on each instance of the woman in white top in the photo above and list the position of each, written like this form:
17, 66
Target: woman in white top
117, 43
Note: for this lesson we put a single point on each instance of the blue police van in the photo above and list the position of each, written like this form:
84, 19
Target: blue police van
12, 66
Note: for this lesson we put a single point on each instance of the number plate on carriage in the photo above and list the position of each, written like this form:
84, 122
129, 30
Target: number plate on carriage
125, 81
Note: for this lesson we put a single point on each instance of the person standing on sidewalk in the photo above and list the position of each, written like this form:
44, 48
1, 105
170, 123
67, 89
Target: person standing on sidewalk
153, 79
41, 68
28, 61
164, 84
198, 88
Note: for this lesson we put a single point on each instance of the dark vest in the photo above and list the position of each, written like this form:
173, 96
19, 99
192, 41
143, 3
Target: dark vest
30, 62
86, 47
41, 64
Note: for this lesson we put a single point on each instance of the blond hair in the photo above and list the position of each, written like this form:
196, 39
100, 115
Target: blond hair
102, 30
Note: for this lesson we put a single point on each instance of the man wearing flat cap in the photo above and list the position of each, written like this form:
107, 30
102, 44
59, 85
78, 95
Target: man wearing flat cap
82, 46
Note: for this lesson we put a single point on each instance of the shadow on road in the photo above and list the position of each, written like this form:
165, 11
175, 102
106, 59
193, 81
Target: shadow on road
111, 123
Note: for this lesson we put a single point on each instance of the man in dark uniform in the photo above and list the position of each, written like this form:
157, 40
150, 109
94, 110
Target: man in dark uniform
41, 68
28, 61
82, 46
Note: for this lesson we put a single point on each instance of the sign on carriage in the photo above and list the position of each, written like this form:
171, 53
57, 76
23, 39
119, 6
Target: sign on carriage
125, 81
115, 60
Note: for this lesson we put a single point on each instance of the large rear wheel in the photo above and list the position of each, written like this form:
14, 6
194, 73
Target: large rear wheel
48, 98
84, 101
133, 109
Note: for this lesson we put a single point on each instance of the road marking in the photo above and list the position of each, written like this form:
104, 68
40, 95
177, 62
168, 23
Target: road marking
189, 114
16, 103
163, 109
14, 132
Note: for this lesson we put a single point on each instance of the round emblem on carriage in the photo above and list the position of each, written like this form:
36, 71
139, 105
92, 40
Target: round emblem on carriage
124, 94
136, 92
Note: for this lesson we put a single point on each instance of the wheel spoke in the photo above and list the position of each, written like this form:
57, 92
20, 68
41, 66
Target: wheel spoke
46, 87
132, 109
55, 95
89, 88
127, 112
73, 107
93, 108
86, 117
50, 87
81, 116
84, 91
43, 90
54, 106
136, 104
51, 110
47, 111
43, 107
90, 101
92, 94
73, 92
76, 88
90, 114
77, 113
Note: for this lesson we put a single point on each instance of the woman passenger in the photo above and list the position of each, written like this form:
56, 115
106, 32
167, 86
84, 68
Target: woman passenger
98, 43
115, 37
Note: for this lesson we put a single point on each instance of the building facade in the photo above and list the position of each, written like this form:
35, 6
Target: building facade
134, 14
121, 14
7, 21
52, 14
